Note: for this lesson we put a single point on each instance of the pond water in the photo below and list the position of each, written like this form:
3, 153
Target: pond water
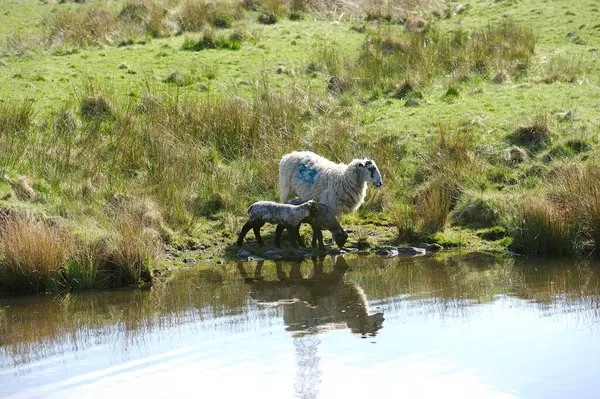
458, 325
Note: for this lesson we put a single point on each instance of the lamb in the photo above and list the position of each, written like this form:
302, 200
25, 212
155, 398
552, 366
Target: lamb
323, 220
341, 187
286, 215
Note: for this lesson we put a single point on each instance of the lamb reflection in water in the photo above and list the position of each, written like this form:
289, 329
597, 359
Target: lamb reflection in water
322, 301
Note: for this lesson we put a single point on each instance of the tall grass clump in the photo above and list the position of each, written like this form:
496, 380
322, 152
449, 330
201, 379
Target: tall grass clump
16, 122
534, 135
210, 40
130, 253
387, 57
575, 188
442, 172
475, 210
194, 15
15, 117
33, 252
540, 227
564, 68
143, 18
95, 25
84, 265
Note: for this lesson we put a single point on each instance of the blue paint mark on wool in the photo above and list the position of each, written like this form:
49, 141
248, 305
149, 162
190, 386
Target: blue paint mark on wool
307, 174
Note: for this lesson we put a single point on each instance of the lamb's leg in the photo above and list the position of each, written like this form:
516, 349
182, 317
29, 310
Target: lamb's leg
256, 229
243, 233
278, 232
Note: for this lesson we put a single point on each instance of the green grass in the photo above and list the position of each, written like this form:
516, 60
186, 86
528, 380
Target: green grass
195, 123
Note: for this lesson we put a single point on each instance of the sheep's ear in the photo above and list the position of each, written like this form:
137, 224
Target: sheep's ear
361, 164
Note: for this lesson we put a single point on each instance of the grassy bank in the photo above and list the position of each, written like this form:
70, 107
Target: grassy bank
131, 127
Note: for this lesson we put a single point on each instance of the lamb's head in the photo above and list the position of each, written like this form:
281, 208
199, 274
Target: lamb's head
369, 172
312, 207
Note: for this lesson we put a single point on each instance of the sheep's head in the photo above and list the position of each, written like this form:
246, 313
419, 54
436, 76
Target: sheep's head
370, 172
340, 236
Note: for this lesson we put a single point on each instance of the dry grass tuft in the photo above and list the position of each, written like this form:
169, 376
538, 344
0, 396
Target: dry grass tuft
515, 155
130, 253
96, 107
540, 227
23, 188
33, 254
15, 117
575, 189
95, 25
534, 136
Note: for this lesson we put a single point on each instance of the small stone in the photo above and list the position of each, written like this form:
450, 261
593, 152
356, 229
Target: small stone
219, 262
244, 254
410, 251
387, 252
350, 250
255, 258
272, 252
431, 247
301, 253
189, 260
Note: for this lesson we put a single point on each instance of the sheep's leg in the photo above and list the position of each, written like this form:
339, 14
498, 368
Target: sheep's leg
278, 232
256, 229
299, 239
258, 270
280, 273
315, 236
319, 237
243, 233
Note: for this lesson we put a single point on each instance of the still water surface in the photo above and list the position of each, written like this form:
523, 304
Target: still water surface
467, 326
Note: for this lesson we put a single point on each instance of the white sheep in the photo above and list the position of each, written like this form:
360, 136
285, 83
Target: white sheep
287, 215
339, 186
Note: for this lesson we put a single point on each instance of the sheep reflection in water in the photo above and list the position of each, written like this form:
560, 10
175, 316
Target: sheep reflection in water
323, 301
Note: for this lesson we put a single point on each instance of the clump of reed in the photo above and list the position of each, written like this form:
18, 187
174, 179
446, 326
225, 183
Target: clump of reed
33, 253
143, 18
195, 15
534, 135
443, 171
476, 210
387, 57
15, 117
210, 40
93, 25
540, 227
130, 252
564, 68
574, 188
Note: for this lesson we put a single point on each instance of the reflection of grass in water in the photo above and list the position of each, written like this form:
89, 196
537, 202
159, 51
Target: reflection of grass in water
445, 286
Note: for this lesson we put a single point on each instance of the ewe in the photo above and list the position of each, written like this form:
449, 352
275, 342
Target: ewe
341, 187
